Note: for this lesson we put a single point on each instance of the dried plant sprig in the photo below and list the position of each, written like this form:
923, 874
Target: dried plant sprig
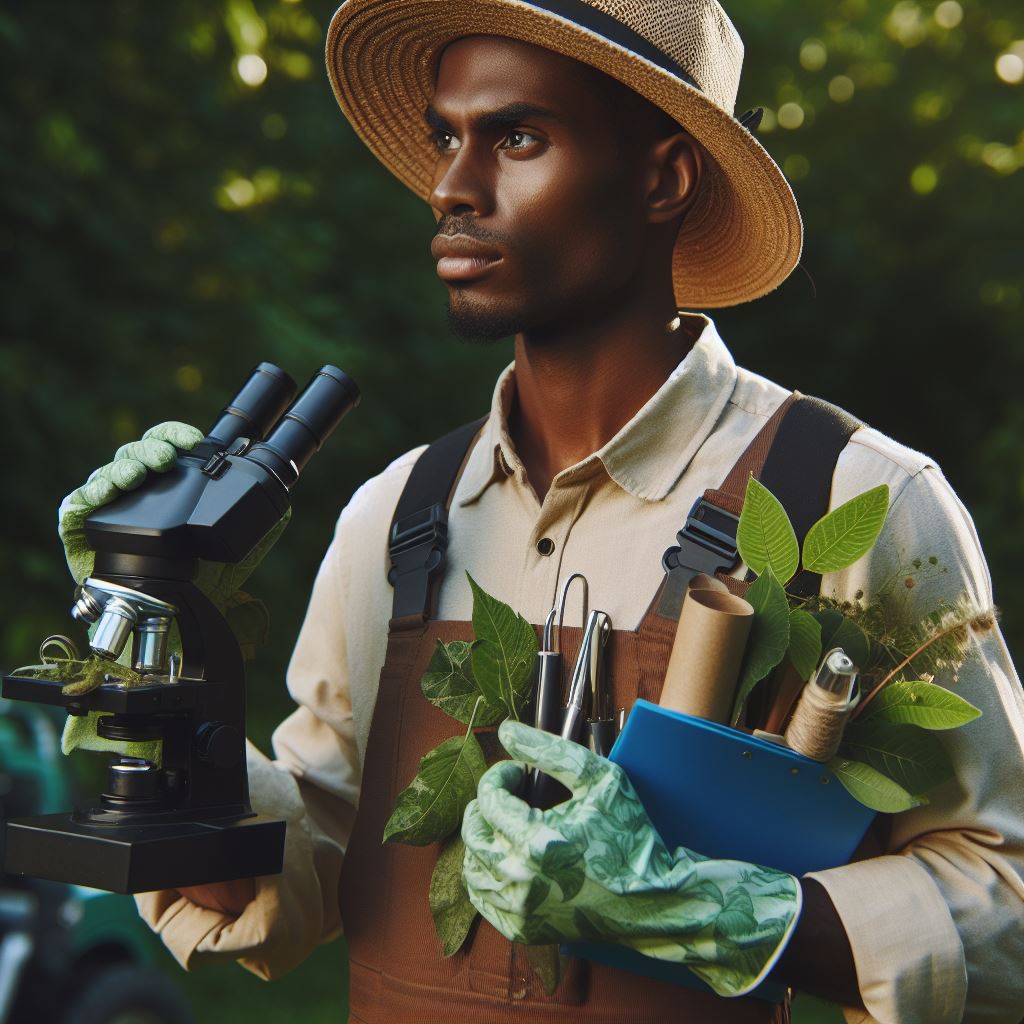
958, 624
82, 676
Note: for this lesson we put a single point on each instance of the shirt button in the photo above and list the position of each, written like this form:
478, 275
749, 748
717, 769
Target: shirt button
545, 545
520, 991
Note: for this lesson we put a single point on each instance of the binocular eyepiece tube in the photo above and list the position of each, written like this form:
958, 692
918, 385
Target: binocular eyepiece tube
296, 432
307, 424
256, 408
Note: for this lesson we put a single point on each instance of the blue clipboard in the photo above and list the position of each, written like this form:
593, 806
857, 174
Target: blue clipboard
729, 795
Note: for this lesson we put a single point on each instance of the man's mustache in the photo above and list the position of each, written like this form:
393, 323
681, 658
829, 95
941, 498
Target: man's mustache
465, 224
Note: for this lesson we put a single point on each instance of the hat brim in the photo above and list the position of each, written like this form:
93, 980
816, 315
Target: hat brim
739, 241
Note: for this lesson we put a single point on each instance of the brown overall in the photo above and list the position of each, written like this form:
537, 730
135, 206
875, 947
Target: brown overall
398, 974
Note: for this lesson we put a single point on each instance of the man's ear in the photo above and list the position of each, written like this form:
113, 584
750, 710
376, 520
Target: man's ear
674, 171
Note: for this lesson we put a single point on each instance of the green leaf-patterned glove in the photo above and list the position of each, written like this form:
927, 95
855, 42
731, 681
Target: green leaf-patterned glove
594, 869
157, 451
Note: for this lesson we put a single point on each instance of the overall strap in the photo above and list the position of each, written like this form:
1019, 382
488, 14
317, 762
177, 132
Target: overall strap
794, 455
419, 528
799, 470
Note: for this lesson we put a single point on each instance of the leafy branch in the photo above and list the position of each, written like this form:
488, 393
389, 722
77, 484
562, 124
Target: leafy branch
478, 684
888, 758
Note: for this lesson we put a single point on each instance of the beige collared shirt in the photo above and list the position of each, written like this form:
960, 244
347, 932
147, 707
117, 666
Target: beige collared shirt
936, 926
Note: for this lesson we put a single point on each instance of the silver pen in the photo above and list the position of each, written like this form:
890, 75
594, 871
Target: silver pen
595, 635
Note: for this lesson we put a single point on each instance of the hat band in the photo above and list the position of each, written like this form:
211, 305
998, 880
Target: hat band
614, 31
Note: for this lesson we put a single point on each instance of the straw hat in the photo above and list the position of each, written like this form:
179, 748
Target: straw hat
742, 237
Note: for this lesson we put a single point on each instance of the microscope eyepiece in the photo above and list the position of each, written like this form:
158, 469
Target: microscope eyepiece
307, 424
222, 497
256, 408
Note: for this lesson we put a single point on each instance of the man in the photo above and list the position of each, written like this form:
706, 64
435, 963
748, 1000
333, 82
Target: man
589, 179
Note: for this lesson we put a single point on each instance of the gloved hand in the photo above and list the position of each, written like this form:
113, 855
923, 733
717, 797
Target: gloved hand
594, 869
157, 451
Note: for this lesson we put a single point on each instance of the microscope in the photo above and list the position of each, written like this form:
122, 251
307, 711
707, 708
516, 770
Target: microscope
183, 818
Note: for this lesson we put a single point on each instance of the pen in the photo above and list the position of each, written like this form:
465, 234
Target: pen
547, 695
583, 674
542, 791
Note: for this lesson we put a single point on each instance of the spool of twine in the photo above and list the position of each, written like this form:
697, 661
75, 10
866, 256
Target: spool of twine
816, 728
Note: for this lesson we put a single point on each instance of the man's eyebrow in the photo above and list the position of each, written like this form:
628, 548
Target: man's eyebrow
435, 120
514, 113
502, 118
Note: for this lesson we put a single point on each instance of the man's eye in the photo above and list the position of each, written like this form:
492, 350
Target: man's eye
519, 140
444, 141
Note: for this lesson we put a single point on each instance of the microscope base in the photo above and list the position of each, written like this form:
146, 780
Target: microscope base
129, 859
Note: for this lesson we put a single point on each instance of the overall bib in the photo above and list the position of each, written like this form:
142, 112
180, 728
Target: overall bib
398, 974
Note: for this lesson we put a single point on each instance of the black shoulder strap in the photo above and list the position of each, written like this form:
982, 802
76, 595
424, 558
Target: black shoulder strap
419, 528
800, 466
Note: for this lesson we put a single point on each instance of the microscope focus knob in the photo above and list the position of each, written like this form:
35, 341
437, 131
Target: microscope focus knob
218, 745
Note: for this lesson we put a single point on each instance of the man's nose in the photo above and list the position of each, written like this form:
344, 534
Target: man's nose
462, 185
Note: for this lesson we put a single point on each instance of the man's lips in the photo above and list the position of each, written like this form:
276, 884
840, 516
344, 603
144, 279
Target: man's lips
461, 258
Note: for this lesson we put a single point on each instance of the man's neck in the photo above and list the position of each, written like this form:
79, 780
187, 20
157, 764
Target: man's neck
577, 390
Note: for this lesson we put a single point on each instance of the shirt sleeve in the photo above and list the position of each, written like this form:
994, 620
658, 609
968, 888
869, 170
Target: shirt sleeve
313, 785
937, 924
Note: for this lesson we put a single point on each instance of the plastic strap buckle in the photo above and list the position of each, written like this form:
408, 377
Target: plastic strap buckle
417, 548
705, 544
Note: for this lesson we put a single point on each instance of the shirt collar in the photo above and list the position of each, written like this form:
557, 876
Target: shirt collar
650, 453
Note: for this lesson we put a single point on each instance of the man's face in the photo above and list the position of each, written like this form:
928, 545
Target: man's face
538, 189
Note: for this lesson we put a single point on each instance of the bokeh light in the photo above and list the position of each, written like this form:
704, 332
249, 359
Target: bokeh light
906, 23
841, 89
949, 14
923, 179
796, 166
813, 55
252, 69
791, 115
1010, 67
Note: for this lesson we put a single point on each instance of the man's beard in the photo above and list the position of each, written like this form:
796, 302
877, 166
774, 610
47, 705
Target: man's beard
481, 326
475, 324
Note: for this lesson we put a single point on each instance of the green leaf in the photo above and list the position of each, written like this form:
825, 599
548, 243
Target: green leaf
846, 533
448, 684
839, 631
872, 788
830, 620
453, 913
504, 653
769, 636
765, 536
915, 702
431, 807
911, 757
804, 642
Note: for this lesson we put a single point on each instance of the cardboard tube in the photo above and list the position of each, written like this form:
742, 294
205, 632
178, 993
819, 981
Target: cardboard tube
702, 581
705, 663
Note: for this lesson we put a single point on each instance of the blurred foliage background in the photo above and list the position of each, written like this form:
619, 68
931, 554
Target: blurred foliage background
181, 198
